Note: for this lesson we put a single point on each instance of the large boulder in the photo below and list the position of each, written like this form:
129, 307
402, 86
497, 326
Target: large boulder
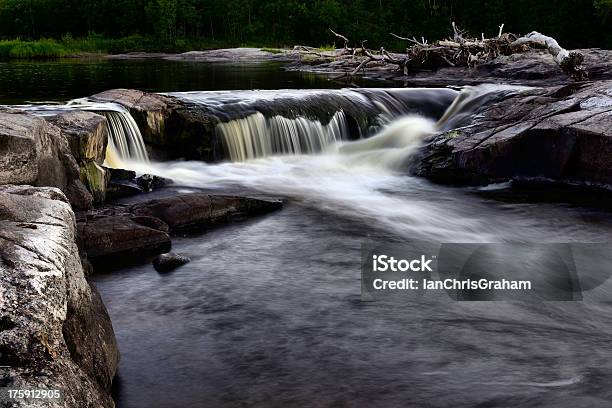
86, 132
55, 330
33, 151
562, 134
87, 135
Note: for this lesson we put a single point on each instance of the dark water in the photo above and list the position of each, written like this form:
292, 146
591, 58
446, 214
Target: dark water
62, 80
269, 314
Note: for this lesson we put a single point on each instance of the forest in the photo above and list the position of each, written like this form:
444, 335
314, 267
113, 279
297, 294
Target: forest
177, 25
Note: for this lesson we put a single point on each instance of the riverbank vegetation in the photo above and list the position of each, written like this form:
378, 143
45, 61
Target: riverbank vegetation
54, 28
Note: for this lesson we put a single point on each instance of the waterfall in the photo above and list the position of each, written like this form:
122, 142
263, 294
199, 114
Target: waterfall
124, 136
257, 136
255, 124
125, 141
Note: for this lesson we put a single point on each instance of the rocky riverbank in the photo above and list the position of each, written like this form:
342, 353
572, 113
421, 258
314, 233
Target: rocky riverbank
561, 134
55, 331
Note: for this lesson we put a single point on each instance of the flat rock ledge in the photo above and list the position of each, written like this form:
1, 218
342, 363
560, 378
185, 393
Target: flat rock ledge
138, 232
532, 68
55, 331
561, 134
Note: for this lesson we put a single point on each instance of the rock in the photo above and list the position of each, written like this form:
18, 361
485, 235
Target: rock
122, 188
168, 262
561, 134
55, 329
532, 68
87, 135
95, 178
149, 182
120, 174
169, 126
112, 236
86, 132
33, 151
198, 211
116, 240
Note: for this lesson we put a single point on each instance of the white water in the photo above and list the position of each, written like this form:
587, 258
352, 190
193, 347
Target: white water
257, 136
360, 180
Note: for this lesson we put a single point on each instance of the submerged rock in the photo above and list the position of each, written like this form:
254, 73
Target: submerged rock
55, 331
170, 261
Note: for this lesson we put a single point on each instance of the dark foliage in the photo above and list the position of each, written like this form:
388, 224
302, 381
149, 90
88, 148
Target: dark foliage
575, 23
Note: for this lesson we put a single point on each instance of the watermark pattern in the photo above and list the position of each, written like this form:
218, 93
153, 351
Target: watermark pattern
484, 271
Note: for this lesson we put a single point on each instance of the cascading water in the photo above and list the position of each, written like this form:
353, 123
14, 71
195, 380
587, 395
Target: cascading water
256, 124
125, 142
359, 179
257, 136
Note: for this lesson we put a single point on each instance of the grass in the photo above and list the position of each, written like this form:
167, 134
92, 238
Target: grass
68, 46
327, 47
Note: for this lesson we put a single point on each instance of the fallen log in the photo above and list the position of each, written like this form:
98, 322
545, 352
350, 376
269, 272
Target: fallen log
569, 61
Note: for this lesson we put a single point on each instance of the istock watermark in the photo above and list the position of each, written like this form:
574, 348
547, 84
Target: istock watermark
484, 271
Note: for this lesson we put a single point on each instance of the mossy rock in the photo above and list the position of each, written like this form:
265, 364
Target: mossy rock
95, 179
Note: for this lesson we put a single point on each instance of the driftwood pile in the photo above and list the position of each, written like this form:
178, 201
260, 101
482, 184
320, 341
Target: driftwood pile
458, 51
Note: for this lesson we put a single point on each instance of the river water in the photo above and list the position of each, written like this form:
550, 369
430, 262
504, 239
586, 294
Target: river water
269, 312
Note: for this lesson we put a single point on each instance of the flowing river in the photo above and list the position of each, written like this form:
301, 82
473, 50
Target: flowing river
269, 312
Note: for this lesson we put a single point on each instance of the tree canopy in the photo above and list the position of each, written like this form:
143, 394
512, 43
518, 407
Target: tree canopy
575, 23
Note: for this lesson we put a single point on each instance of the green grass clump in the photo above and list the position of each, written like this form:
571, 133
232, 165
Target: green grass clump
327, 47
44, 48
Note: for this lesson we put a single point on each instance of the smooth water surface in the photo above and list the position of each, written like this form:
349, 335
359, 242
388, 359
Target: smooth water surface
65, 79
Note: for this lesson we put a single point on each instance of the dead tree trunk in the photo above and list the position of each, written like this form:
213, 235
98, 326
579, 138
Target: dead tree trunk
569, 61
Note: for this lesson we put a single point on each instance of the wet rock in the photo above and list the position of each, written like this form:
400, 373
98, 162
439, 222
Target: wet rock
122, 188
113, 236
120, 174
55, 329
33, 151
170, 127
169, 262
116, 240
198, 211
561, 134
95, 178
149, 182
